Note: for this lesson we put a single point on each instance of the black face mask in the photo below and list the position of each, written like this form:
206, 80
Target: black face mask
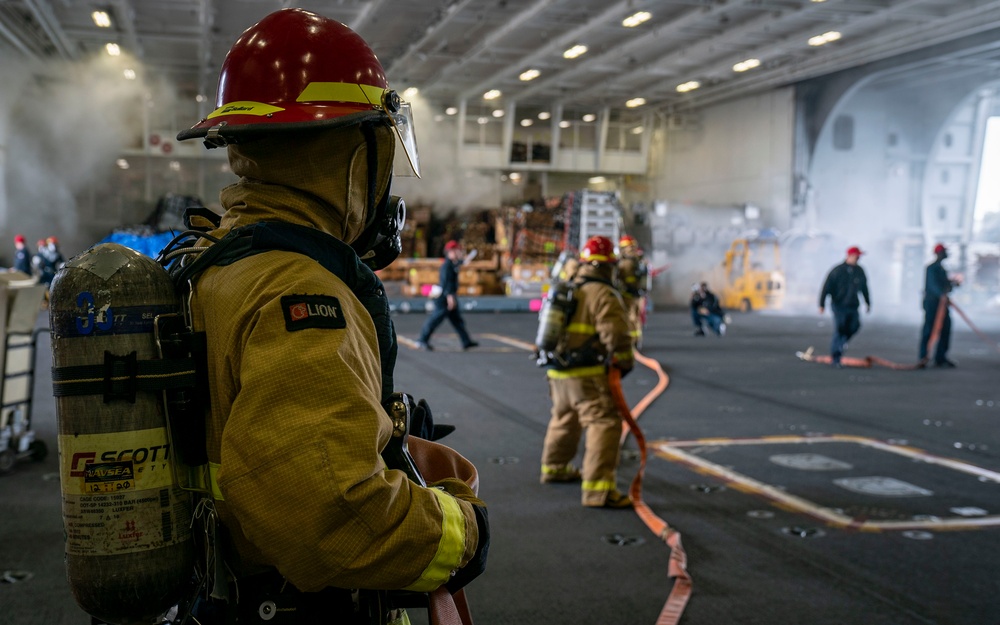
380, 243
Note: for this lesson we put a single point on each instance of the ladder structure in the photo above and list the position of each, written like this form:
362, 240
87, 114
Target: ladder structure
589, 214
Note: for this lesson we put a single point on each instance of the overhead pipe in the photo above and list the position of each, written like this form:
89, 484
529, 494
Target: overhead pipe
42, 12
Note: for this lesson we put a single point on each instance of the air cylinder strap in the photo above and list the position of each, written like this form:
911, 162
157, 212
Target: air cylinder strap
677, 569
120, 377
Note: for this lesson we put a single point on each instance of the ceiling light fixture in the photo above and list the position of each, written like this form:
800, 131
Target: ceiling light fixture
634, 102
597, 180
530, 74
451, 110
129, 74
589, 117
825, 38
113, 49
492, 94
497, 112
527, 121
575, 51
482, 121
410, 92
690, 85
565, 124
544, 115
637, 130
743, 66
101, 19
636, 18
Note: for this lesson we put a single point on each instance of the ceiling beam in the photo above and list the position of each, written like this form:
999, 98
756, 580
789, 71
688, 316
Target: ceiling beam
489, 42
430, 33
558, 44
43, 14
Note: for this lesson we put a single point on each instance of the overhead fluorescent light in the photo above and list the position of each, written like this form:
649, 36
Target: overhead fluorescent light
597, 179
743, 66
690, 85
825, 38
497, 113
634, 102
575, 51
113, 49
565, 124
492, 94
101, 19
544, 115
636, 18
527, 121
530, 74
451, 110
589, 117
482, 121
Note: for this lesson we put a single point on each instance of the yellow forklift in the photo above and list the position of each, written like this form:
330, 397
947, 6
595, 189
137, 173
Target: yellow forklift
753, 278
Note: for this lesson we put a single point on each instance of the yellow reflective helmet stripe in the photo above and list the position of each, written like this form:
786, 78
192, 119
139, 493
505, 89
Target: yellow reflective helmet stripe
342, 92
451, 548
245, 107
314, 92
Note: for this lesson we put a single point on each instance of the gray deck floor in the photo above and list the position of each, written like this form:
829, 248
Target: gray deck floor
823, 496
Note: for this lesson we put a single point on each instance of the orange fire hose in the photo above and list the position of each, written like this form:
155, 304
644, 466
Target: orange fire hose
677, 569
868, 361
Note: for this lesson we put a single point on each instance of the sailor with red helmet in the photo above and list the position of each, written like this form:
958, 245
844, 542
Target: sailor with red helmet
843, 285
298, 366
937, 286
596, 336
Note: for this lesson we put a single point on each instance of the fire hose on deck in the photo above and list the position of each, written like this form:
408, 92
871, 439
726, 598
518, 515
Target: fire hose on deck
677, 569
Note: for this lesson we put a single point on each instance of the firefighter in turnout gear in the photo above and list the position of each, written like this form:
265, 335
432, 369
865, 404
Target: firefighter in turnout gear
299, 365
632, 272
595, 337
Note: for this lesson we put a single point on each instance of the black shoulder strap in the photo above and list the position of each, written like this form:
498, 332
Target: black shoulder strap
332, 254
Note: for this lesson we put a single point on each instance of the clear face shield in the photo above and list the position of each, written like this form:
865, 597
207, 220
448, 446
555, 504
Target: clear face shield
401, 114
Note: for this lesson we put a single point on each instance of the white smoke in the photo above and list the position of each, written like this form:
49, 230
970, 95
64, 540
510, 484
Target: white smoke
445, 183
66, 128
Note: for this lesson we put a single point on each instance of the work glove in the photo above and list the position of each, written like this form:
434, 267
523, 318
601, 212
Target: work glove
422, 422
624, 367
477, 564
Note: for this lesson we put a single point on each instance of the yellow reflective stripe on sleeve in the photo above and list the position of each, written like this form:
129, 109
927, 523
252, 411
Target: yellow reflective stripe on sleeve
451, 548
213, 481
598, 485
245, 108
581, 328
577, 372
624, 356
404, 619
341, 92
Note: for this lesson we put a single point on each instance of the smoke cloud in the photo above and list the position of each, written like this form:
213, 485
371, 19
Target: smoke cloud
444, 183
65, 128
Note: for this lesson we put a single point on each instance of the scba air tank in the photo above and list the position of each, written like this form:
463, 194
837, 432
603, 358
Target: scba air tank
129, 551
555, 313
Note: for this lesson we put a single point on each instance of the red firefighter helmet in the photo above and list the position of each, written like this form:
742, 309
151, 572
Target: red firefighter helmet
598, 249
297, 70
626, 241
940, 249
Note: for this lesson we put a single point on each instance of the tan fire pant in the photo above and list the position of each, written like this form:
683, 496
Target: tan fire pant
580, 404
